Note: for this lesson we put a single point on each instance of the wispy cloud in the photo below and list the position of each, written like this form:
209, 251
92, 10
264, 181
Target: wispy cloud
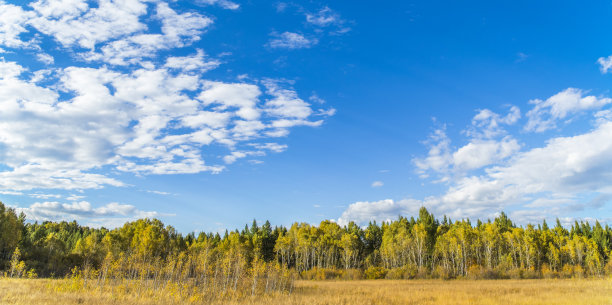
222, 3
159, 193
289, 40
326, 18
377, 184
605, 64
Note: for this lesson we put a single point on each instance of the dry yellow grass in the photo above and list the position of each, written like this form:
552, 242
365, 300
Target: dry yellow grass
507, 292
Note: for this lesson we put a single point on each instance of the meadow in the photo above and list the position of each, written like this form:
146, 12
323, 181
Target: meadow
364, 292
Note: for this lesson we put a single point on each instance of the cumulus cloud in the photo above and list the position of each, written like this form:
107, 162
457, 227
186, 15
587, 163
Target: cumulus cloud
557, 178
195, 62
75, 24
285, 102
488, 124
83, 211
177, 30
45, 58
384, 210
566, 167
488, 143
546, 113
13, 22
290, 40
478, 154
125, 105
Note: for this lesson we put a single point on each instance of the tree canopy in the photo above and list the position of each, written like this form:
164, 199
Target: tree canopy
403, 248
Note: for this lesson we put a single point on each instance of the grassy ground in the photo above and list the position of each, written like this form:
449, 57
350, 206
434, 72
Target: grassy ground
507, 292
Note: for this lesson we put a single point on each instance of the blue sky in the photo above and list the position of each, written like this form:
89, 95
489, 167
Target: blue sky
210, 113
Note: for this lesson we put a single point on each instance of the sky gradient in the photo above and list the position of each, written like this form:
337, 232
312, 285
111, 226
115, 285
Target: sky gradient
208, 114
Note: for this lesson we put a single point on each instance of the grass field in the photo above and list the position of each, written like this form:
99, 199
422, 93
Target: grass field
507, 292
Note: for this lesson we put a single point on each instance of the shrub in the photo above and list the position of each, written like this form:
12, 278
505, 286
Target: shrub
352, 274
374, 273
578, 272
402, 273
530, 273
608, 266
321, 274
548, 273
441, 273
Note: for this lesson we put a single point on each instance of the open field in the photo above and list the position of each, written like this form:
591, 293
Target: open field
507, 292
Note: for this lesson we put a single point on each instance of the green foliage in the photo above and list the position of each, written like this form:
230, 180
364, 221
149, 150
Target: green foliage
11, 233
404, 248
375, 273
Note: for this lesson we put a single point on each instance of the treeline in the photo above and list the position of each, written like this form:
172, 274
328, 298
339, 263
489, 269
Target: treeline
262, 258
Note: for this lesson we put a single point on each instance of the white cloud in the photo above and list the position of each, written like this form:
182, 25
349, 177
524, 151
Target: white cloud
241, 96
235, 155
478, 154
60, 8
185, 25
83, 211
76, 127
488, 144
326, 112
605, 64
273, 147
75, 197
289, 40
566, 167
379, 211
316, 99
488, 124
326, 18
159, 193
323, 17
45, 58
226, 4
12, 193
377, 184
439, 157
260, 150
13, 20
285, 103
545, 114
603, 116
177, 30
563, 175
191, 63
76, 24
45, 196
